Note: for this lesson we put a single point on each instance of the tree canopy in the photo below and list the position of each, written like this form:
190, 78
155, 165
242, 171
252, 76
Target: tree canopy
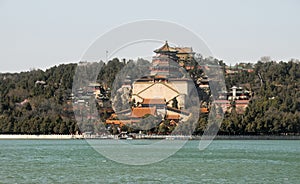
37, 102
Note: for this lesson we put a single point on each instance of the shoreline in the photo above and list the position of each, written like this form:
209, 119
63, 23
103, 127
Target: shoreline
39, 137
169, 137
255, 137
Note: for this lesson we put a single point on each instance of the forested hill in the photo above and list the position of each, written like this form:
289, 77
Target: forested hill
275, 106
33, 102
36, 102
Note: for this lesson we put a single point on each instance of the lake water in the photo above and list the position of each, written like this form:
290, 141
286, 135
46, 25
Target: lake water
74, 161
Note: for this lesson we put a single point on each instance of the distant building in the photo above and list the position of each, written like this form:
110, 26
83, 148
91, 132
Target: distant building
203, 82
237, 97
162, 87
140, 112
158, 103
40, 82
156, 94
168, 60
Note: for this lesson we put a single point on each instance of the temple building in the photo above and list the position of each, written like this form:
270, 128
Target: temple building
165, 92
162, 87
168, 60
166, 81
237, 97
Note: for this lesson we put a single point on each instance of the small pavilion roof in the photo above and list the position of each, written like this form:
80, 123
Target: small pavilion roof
184, 50
139, 112
173, 116
154, 101
165, 48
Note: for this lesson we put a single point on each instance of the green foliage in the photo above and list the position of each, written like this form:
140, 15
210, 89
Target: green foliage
275, 107
174, 103
35, 102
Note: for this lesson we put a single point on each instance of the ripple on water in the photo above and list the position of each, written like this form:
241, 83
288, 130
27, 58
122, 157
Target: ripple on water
74, 161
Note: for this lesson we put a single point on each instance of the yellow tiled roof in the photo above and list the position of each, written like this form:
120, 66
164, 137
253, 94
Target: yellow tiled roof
139, 112
154, 101
165, 48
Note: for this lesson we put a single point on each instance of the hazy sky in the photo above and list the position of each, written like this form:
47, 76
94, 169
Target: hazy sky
40, 34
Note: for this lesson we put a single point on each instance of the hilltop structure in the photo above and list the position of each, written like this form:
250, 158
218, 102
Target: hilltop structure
237, 98
170, 89
164, 93
168, 60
